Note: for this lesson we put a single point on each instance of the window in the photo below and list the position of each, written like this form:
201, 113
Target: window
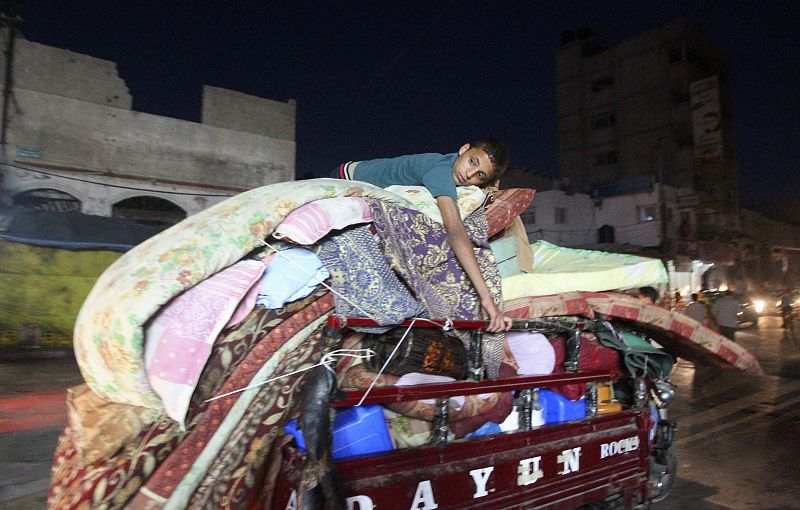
528, 216
680, 95
646, 213
604, 121
675, 54
602, 83
605, 158
682, 135
592, 48
560, 214
148, 210
48, 200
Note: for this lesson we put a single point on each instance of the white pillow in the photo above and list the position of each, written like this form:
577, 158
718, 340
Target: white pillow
533, 352
309, 223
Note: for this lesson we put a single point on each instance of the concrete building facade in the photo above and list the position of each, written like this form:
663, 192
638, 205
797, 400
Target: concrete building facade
657, 106
625, 109
624, 223
71, 138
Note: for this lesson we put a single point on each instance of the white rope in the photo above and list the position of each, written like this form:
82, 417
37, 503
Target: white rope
372, 384
326, 360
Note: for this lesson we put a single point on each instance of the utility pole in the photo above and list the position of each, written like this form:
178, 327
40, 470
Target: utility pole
662, 201
10, 24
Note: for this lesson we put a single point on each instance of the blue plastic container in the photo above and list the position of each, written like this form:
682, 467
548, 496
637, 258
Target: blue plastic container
487, 429
655, 417
558, 408
356, 431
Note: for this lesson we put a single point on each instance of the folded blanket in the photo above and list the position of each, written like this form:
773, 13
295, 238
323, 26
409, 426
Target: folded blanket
361, 275
180, 337
639, 355
418, 250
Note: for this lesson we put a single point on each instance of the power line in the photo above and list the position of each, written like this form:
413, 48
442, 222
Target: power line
400, 55
576, 231
119, 186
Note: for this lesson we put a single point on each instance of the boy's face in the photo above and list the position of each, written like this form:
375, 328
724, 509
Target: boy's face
472, 167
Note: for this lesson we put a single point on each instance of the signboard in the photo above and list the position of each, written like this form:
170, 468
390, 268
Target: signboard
28, 152
706, 120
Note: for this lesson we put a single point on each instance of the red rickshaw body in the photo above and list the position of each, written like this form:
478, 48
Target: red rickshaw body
554, 466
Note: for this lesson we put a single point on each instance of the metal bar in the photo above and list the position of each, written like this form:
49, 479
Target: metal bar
526, 409
475, 360
591, 399
573, 351
441, 422
389, 394
541, 324
339, 321
640, 392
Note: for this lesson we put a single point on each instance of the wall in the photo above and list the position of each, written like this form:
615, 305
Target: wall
49, 285
249, 114
99, 199
78, 134
70, 123
65, 73
578, 229
621, 213
585, 215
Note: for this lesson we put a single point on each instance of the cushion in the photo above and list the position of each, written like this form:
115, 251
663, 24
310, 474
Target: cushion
248, 302
292, 274
309, 223
506, 204
505, 250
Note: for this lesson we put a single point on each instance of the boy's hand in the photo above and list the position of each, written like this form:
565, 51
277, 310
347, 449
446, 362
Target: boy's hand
497, 321
462, 247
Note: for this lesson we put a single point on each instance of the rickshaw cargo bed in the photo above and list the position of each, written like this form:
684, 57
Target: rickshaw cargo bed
559, 466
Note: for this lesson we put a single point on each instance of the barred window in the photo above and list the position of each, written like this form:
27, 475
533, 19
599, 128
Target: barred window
603, 121
560, 214
646, 213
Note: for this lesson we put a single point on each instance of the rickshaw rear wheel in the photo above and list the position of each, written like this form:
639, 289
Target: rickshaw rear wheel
664, 471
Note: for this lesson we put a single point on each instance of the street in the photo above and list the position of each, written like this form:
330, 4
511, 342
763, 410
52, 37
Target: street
736, 436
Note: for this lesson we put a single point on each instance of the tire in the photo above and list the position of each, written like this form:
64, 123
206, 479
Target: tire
667, 470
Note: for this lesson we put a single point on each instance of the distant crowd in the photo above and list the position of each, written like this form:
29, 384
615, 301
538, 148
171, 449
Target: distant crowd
720, 314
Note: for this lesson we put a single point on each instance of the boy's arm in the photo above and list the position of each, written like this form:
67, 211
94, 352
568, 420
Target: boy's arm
462, 247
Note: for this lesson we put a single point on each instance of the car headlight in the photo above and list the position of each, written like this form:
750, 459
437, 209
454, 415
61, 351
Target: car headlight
759, 305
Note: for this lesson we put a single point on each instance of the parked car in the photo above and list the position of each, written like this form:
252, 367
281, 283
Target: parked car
748, 312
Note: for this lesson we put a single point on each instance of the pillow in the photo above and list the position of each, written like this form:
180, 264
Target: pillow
504, 205
532, 351
309, 223
248, 302
468, 198
291, 275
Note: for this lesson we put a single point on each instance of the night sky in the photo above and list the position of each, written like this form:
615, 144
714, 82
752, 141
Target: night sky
377, 79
